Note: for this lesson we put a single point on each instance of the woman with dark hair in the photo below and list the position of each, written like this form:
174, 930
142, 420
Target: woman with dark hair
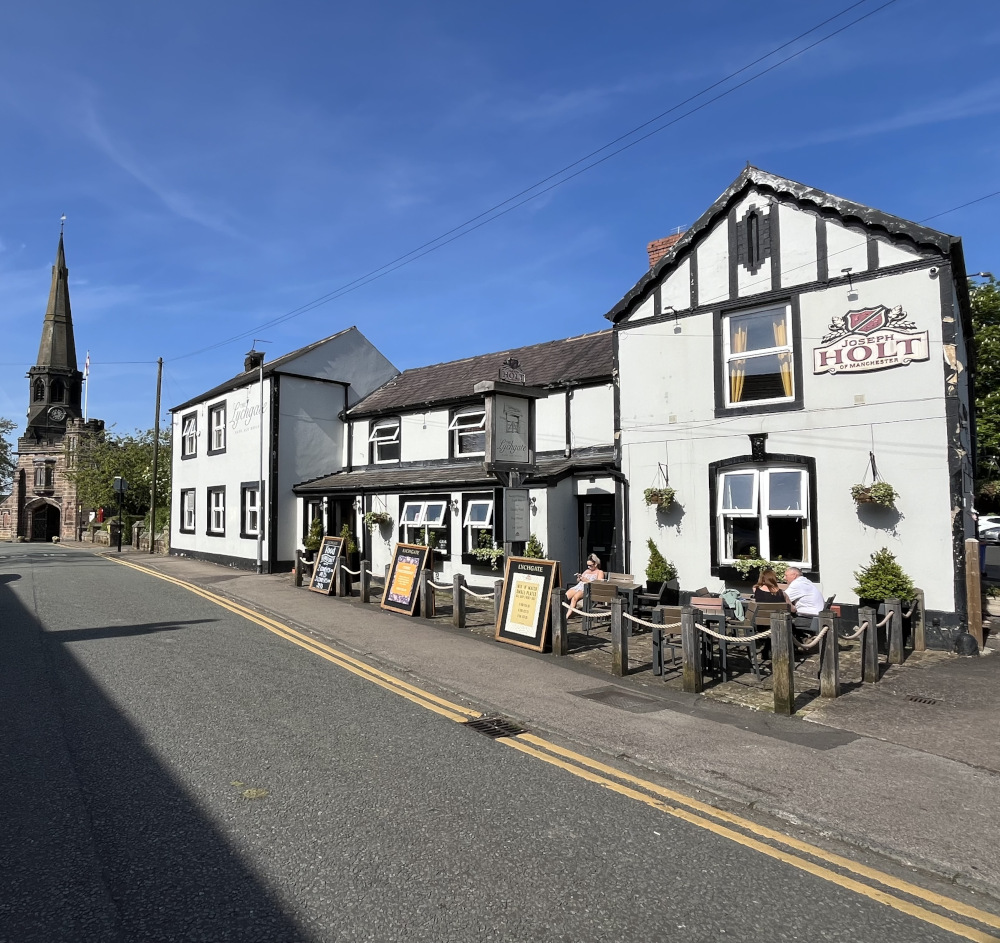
589, 575
766, 589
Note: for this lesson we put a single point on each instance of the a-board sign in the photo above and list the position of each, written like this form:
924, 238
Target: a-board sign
325, 568
527, 596
402, 585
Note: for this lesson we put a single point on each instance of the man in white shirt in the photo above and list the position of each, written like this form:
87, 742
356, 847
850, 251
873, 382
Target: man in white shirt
804, 597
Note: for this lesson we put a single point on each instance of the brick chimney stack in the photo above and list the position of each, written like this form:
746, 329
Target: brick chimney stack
658, 248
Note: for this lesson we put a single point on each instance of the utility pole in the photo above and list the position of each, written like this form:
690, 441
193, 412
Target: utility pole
156, 453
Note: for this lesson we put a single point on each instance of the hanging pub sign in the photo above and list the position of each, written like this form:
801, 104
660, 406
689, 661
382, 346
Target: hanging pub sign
510, 420
402, 585
870, 339
325, 568
526, 601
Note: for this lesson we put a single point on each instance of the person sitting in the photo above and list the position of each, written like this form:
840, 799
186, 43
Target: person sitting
804, 597
589, 575
766, 589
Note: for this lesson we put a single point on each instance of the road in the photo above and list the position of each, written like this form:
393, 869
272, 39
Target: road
173, 771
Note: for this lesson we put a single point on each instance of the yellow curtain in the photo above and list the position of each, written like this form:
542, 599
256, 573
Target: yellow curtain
738, 368
785, 358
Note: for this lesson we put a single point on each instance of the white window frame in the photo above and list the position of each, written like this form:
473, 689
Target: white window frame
471, 527
425, 518
760, 511
465, 424
189, 435
729, 356
251, 510
217, 427
217, 510
188, 510
385, 432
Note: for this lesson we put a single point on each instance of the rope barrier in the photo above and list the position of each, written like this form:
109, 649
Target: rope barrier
859, 631
648, 625
739, 639
352, 572
888, 616
469, 592
913, 609
589, 615
814, 641
441, 587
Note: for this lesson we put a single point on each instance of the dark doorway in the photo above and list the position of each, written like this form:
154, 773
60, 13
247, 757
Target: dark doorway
44, 522
598, 533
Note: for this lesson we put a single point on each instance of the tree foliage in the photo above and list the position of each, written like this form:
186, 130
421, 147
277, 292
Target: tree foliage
103, 456
985, 301
7, 461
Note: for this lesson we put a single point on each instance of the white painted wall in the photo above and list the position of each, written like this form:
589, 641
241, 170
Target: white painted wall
797, 245
550, 423
675, 290
845, 248
592, 411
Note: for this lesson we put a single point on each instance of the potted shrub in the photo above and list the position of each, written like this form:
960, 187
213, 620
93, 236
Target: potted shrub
487, 551
878, 492
350, 548
660, 498
314, 539
882, 579
375, 519
747, 563
659, 569
534, 549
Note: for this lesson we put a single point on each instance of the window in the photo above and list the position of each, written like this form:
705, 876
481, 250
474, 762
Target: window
58, 391
313, 511
478, 520
187, 510
468, 432
39, 391
250, 509
426, 522
45, 476
217, 511
758, 356
764, 511
385, 441
217, 428
189, 435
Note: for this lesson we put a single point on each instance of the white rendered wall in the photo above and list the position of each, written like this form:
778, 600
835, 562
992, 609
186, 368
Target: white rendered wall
592, 413
797, 245
675, 290
713, 265
550, 423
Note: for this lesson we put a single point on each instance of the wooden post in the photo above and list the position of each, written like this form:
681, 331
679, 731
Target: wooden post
560, 643
918, 622
783, 663
366, 581
346, 588
457, 601
829, 668
895, 631
869, 644
297, 569
497, 600
693, 677
973, 591
657, 619
619, 640
335, 578
426, 595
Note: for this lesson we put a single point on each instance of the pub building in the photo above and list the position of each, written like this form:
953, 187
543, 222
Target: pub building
788, 346
419, 447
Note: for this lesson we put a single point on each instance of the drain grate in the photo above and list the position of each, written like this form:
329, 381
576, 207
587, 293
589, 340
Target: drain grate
921, 699
494, 727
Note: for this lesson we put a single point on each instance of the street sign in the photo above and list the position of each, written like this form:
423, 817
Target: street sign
120, 485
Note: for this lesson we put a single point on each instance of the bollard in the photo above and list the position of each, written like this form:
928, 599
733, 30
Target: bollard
917, 622
783, 663
895, 631
657, 619
829, 667
335, 578
619, 640
693, 679
973, 592
560, 643
497, 600
426, 594
297, 569
366, 581
345, 586
869, 644
457, 601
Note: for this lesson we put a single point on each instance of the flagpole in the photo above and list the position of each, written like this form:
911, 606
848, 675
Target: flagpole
86, 384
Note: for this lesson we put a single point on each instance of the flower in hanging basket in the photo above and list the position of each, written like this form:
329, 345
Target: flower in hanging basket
375, 519
660, 498
879, 492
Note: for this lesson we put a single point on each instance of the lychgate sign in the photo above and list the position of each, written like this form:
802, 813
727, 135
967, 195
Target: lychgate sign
870, 339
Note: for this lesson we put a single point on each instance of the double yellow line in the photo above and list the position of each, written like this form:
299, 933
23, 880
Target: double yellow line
884, 888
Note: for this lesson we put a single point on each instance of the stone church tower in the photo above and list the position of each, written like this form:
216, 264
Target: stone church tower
43, 503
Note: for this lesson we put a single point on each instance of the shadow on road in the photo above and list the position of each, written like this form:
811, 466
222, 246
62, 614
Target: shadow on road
98, 841
124, 631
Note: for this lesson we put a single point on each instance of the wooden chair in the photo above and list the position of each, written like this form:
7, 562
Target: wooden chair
667, 637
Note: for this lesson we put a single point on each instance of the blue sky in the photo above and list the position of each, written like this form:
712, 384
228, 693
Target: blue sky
223, 164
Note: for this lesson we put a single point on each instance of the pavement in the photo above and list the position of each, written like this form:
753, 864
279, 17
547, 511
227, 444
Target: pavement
907, 769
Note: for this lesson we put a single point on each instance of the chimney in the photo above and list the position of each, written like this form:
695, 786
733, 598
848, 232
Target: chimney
253, 360
658, 248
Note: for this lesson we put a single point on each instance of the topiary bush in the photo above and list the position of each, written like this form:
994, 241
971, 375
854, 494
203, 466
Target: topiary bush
659, 569
883, 578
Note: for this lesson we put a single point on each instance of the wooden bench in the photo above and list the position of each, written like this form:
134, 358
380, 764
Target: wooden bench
602, 592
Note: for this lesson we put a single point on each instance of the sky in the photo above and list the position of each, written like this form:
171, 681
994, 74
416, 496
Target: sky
223, 165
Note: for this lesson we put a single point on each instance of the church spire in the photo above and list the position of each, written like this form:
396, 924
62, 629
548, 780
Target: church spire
57, 349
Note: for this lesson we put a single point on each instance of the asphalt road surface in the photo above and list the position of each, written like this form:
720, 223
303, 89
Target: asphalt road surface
173, 772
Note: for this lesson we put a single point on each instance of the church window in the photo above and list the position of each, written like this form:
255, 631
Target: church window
58, 391
39, 391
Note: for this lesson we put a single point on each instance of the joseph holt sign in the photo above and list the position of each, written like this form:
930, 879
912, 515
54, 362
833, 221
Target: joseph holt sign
870, 339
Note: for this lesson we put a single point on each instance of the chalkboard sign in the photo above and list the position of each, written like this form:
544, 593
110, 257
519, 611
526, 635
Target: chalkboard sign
325, 569
402, 585
527, 597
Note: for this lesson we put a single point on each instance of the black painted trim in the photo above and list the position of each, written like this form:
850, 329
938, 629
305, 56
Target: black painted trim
236, 563
872, 246
271, 478
210, 408
734, 275
246, 486
658, 300
617, 405
694, 281
822, 251
725, 571
567, 399
774, 235
215, 489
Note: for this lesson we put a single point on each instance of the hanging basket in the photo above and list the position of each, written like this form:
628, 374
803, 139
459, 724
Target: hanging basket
880, 493
660, 498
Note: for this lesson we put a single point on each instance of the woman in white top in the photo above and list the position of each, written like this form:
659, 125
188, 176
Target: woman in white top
589, 575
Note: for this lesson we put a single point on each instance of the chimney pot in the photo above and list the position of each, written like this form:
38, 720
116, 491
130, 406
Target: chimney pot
253, 360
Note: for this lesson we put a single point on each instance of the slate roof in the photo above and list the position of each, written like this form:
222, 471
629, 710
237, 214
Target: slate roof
250, 376
921, 237
573, 361
452, 475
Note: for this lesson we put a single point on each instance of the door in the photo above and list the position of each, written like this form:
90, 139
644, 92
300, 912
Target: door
45, 522
598, 533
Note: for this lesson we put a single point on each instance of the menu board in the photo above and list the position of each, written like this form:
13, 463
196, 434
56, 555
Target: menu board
325, 568
402, 585
525, 605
